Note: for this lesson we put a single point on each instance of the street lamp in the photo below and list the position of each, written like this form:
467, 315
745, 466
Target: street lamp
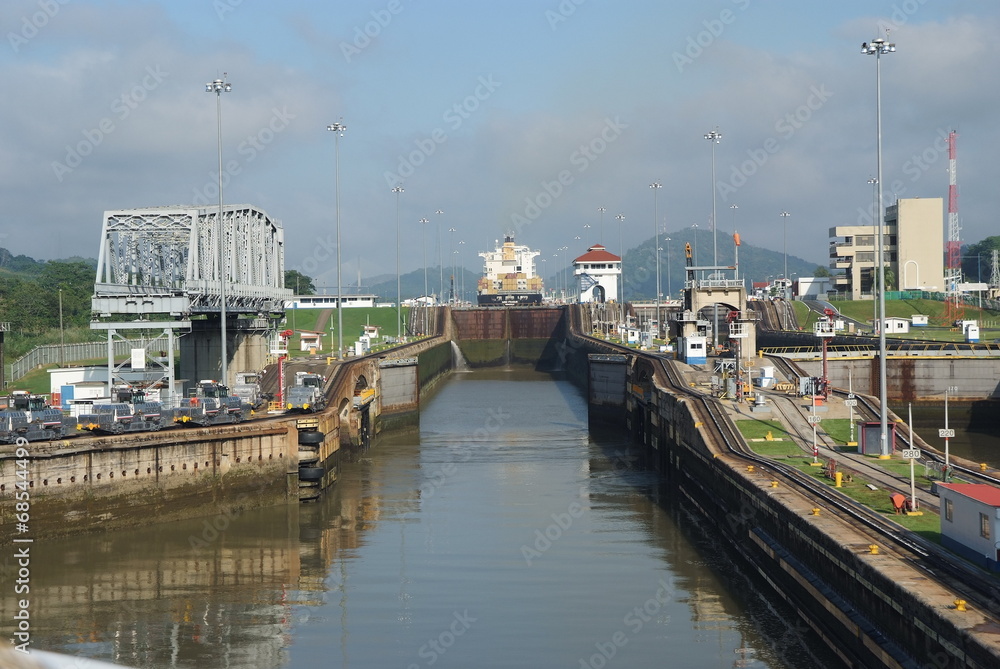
557, 276
874, 184
544, 272
461, 283
451, 247
423, 243
602, 210
784, 240
714, 138
219, 86
621, 249
876, 48
736, 252
669, 289
339, 128
440, 261
399, 293
62, 338
694, 242
656, 186
947, 432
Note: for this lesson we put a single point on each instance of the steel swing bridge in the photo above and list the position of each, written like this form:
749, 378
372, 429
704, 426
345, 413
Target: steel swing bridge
165, 260
159, 266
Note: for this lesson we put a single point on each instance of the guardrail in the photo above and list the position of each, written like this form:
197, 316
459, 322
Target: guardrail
58, 354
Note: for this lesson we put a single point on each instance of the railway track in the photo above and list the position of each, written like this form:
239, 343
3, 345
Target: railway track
969, 582
867, 410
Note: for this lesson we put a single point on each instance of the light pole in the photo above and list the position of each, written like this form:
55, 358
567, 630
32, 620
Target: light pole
669, 289
736, 251
451, 247
694, 242
399, 293
621, 249
461, 281
562, 271
440, 262
947, 433
543, 273
339, 128
878, 47
62, 338
714, 138
602, 210
423, 243
556, 275
656, 186
873, 182
784, 243
220, 86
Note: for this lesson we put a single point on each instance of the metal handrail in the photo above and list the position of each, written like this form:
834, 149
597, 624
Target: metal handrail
49, 354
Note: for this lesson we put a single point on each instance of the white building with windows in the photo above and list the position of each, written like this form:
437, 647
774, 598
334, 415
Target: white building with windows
970, 521
329, 301
598, 275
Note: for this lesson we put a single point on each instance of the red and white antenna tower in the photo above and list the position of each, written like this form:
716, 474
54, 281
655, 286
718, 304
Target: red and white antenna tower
953, 247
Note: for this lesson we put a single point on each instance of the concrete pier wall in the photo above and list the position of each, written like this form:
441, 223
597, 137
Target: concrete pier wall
870, 612
85, 484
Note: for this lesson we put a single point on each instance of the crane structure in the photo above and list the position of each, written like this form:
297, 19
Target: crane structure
955, 309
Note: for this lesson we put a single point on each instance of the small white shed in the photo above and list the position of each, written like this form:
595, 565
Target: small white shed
897, 325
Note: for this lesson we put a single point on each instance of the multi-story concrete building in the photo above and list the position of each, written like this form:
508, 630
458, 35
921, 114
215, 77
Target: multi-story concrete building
913, 236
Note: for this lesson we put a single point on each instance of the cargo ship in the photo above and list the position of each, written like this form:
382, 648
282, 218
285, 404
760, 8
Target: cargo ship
509, 277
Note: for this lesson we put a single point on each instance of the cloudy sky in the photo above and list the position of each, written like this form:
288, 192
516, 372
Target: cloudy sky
523, 115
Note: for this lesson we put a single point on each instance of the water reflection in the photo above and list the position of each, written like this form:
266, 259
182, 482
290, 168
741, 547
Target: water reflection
501, 532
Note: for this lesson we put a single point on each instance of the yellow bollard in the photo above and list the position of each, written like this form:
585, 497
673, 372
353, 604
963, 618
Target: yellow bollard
839, 478
815, 511
774, 484
982, 466
749, 468
873, 549
960, 605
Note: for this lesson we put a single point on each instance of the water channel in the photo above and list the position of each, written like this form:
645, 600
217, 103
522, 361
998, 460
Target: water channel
503, 532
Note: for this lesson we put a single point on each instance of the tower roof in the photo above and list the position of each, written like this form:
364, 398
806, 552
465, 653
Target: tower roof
597, 253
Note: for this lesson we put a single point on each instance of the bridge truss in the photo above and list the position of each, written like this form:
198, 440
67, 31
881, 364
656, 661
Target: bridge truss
165, 260
159, 266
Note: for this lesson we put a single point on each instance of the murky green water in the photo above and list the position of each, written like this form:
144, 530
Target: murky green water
503, 533
977, 429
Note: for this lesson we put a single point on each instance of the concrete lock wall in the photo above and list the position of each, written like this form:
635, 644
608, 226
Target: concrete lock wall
606, 392
400, 388
913, 379
493, 337
856, 604
102, 483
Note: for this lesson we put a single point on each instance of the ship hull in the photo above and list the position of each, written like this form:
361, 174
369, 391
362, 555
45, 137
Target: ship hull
509, 299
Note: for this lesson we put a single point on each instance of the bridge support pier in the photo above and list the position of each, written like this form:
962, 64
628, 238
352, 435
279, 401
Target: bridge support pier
201, 349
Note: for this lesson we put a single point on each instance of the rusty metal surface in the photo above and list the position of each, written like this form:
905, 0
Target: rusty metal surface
529, 323
535, 323
480, 323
